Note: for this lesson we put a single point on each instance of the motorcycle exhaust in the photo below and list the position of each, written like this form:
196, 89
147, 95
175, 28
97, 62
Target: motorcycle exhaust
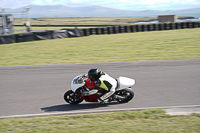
119, 97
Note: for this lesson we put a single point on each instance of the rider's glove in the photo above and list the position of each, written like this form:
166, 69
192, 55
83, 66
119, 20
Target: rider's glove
86, 93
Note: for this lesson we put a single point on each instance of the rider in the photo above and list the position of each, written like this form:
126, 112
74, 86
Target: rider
102, 80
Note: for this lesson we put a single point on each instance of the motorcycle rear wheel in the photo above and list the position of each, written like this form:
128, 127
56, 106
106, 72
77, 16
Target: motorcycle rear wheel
127, 93
72, 98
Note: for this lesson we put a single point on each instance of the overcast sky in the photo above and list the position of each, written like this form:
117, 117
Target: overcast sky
117, 4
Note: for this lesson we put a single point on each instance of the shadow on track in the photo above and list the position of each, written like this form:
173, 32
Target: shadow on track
69, 107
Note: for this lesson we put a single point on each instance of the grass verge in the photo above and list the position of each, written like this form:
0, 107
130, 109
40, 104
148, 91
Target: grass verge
85, 20
155, 45
149, 121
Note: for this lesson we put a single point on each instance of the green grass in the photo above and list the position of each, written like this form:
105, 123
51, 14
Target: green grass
148, 121
155, 45
85, 20
40, 28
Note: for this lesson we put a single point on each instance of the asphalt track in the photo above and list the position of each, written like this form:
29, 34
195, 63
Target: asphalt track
39, 89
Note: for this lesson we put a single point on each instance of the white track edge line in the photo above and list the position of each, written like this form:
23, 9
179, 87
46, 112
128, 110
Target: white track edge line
93, 111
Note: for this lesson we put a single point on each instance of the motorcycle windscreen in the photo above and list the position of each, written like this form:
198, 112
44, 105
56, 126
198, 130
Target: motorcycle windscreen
124, 82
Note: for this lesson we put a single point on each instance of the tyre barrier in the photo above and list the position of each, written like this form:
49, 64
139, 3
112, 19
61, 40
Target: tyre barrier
7, 39
133, 28
98, 31
92, 31
121, 29
115, 29
24, 37
103, 31
138, 28
149, 27
127, 29
73, 32
189, 25
67, 33
160, 26
166, 26
60, 34
110, 30
178, 25
155, 27
172, 26
183, 25
195, 25
85, 32
42, 35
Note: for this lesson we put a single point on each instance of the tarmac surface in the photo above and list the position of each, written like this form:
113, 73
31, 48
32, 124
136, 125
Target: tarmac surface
38, 90
183, 110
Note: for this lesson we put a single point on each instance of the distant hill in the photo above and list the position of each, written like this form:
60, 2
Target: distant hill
98, 11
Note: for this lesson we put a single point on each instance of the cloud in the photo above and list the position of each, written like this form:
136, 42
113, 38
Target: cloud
119, 4
14, 3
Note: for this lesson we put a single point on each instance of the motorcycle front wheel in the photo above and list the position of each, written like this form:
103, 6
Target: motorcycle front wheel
127, 93
72, 98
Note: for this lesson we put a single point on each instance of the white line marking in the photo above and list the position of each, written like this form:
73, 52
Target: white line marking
93, 111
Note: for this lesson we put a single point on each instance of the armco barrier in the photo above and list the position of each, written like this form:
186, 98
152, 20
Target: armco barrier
65, 33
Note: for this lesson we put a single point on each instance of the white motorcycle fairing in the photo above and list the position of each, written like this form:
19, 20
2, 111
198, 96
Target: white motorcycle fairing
124, 82
75, 84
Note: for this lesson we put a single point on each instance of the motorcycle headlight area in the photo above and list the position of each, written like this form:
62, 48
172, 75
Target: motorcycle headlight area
78, 80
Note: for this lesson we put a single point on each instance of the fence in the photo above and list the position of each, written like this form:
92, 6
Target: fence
67, 33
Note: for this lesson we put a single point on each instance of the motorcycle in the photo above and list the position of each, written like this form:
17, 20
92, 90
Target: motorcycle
123, 92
